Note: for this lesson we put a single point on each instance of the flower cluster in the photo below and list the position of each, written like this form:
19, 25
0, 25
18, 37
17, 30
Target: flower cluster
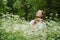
13, 28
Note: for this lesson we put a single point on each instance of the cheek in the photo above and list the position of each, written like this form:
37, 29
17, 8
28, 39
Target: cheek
41, 15
37, 15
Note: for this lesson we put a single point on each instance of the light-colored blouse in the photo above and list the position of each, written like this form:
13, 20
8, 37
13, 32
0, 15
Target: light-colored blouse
39, 26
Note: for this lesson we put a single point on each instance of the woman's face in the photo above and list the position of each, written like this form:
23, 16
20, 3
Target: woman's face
39, 14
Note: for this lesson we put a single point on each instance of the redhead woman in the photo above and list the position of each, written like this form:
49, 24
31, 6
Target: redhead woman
38, 22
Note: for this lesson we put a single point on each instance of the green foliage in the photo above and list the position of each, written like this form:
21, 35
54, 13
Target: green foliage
28, 8
13, 28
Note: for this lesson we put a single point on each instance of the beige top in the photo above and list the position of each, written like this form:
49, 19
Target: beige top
40, 25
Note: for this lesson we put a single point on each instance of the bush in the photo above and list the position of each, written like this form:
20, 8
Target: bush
13, 28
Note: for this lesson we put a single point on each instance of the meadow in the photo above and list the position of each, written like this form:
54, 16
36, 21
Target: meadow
14, 28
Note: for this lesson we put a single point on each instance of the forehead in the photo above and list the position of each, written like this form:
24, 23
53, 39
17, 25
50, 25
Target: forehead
40, 11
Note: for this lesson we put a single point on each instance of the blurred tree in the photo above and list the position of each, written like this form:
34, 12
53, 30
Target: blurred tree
28, 8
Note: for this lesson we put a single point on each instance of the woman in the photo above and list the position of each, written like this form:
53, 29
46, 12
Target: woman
38, 22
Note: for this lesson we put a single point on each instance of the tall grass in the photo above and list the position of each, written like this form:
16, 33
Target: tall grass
13, 28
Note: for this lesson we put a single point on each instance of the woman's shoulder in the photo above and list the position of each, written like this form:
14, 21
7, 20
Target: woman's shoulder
31, 22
